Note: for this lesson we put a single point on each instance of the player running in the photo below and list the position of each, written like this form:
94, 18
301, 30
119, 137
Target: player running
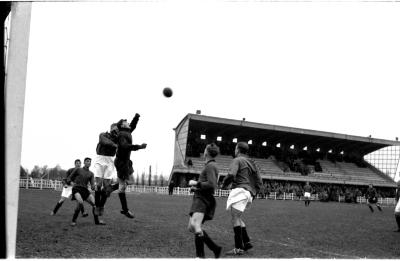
204, 204
67, 190
307, 194
104, 167
372, 198
80, 179
122, 160
246, 182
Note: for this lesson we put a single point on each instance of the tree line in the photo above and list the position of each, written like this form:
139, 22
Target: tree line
58, 173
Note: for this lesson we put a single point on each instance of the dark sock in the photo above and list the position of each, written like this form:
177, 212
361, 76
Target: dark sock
124, 204
238, 237
245, 236
379, 207
199, 243
97, 198
76, 213
398, 221
370, 207
208, 241
96, 218
103, 198
58, 205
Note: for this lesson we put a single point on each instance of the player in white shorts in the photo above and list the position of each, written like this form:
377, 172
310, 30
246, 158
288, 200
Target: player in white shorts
104, 167
307, 194
397, 208
246, 182
67, 190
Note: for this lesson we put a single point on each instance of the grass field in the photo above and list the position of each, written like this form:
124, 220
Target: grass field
278, 229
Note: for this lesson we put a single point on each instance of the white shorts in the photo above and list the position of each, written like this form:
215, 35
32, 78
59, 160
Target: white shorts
397, 208
239, 198
66, 192
307, 194
104, 167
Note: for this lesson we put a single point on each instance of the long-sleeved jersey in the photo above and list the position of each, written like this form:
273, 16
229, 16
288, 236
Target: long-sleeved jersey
243, 173
67, 174
81, 177
371, 193
107, 144
207, 182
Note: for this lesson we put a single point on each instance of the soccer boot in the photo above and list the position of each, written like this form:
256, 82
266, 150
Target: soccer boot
127, 213
52, 213
73, 224
101, 223
217, 252
85, 214
247, 246
235, 252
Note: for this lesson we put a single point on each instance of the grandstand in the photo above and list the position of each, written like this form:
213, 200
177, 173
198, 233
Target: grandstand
284, 154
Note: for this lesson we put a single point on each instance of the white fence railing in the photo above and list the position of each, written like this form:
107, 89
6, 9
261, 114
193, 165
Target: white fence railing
57, 185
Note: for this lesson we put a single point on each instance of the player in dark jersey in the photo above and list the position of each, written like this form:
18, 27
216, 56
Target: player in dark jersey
397, 208
67, 190
246, 182
122, 159
204, 204
307, 194
372, 198
80, 179
104, 167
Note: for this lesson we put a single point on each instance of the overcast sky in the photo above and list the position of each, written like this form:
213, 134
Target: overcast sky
323, 66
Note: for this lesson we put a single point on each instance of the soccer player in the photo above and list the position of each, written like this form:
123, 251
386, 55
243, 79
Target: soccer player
246, 182
372, 198
122, 160
204, 204
397, 208
80, 180
67, 190
307, 194
104, 167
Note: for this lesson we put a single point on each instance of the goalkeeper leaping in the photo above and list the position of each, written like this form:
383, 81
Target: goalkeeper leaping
122, 160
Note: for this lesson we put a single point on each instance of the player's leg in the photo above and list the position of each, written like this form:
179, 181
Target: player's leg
370, 206
79, 205
246, 239
122, 197
195, 227
236, 215
99, 173
58, 205
108, 174
91, 201
378, 206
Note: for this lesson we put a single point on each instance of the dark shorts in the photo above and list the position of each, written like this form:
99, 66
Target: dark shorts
84, 192
124, 168
203, 204
372, 200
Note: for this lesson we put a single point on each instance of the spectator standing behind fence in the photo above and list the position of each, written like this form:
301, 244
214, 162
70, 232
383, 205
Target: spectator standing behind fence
171, 186
372, 198
397, 208
67, 190
246, 182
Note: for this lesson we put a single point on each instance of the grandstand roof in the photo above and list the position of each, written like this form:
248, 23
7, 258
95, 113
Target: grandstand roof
276, 133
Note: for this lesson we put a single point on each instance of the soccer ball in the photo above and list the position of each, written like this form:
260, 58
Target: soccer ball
167, 92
